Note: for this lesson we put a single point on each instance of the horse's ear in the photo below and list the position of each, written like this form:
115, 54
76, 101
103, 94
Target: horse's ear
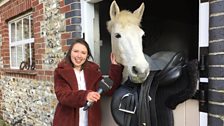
114, 9
139, 12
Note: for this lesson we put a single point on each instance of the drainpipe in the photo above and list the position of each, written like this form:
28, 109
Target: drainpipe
216, 63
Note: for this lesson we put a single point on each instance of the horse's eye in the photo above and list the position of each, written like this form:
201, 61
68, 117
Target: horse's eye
117, 35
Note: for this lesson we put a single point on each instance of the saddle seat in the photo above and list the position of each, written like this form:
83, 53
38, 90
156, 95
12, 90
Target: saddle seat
169, 65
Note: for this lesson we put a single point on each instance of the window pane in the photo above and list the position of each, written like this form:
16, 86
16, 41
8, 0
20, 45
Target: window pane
26, 28
27, 52
13, 33
31, 21
19, 30
32, 55
13, 56
32, 51
19, 55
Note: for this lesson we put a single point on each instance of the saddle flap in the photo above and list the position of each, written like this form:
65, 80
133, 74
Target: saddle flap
124, 103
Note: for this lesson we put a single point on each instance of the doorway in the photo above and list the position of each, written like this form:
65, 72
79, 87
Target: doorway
168, 26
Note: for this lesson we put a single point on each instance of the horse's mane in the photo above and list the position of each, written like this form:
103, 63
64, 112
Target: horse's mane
124, 18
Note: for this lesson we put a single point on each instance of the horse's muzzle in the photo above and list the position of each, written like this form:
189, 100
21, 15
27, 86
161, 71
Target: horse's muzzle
138, 76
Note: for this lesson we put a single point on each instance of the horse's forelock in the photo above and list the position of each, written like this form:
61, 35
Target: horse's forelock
124, 18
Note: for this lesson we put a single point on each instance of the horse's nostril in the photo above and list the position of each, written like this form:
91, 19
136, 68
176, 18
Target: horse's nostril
134, 70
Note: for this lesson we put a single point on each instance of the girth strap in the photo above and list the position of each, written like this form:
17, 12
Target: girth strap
144, 101
131, 106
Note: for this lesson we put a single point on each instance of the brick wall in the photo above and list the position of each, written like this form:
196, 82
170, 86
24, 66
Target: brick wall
1, 103
28, 95
9, 10
13, 9
70, 18
72, 9
216, 64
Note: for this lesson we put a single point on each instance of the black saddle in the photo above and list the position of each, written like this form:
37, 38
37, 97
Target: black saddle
136, 104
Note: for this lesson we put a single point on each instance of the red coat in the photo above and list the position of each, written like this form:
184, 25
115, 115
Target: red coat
71, 99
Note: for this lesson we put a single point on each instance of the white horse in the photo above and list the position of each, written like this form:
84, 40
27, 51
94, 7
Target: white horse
126, 41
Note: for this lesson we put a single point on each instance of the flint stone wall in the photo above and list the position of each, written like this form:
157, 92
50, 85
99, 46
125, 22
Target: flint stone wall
51, 28
28, 102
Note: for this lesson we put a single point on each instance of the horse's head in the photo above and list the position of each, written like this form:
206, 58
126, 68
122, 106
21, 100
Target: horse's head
126, 41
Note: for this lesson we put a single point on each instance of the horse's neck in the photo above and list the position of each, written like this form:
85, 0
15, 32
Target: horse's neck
125, 75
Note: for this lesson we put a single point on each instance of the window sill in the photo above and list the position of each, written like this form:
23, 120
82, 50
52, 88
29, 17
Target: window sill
16, 71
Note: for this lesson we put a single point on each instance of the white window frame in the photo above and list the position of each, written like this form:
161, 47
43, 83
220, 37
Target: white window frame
90, 26
3, 2
203, 42
203, 24
21, 42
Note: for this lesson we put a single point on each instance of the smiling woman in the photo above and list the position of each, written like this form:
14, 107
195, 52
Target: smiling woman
76, 85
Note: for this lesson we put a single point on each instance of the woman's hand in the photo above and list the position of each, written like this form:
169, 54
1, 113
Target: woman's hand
93, 96
113, 59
